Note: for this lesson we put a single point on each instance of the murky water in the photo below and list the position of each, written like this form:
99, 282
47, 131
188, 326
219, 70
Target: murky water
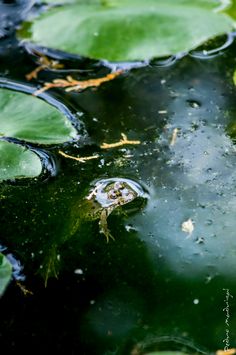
157, 285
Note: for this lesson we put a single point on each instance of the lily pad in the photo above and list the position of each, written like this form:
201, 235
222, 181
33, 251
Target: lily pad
128, 29
5, 273
31, 119
18, 162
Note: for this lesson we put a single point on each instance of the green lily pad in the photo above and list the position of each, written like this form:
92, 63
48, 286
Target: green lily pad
33, 120
5, 273
18, 162
128, 29
28, 118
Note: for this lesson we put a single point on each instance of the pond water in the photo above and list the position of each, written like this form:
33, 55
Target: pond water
162, 283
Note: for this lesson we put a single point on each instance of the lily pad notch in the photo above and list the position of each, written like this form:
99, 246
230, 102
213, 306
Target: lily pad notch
28, 120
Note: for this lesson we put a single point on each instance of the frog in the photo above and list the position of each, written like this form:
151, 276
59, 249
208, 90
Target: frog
109, 195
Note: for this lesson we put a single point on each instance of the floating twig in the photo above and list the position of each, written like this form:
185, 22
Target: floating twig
23, 289
123, 141
44, 63
80, 159
174, 136
70, 84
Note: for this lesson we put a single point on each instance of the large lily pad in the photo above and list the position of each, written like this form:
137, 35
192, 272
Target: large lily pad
28, 118
5, 273
129, 29
17, 162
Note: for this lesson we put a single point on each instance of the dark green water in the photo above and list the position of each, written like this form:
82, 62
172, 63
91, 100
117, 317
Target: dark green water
155, 284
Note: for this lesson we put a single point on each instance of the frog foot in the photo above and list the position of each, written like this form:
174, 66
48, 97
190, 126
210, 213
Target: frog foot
105, 230
103, 226
108, 235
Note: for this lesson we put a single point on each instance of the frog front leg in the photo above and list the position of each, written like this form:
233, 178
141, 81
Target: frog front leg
103, 225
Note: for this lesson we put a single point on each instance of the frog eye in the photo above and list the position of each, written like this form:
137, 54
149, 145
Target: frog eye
112, 195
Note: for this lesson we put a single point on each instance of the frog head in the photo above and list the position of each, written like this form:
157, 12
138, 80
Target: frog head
108, 194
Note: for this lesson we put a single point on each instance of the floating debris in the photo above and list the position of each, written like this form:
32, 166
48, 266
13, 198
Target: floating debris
174, 136
188, 226
80, 159
23, 289
44, 63
123, 141
70, 84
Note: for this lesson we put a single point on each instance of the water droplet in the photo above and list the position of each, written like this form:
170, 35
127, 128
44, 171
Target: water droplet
194, 126
200, 240
194, 103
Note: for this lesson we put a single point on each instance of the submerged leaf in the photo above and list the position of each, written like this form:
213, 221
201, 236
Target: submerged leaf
129, 29
18, 162
5, 273
25, 117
